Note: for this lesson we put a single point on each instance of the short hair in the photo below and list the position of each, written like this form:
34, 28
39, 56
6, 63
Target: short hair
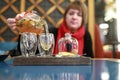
81, 7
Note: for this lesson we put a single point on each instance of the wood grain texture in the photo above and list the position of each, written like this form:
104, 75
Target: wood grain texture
49, 61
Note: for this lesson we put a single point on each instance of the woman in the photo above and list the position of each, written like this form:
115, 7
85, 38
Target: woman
75, 19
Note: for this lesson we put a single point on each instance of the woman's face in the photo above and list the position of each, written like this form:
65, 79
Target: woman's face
73, 19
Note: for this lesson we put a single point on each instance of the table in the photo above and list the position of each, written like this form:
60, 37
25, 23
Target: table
99, 69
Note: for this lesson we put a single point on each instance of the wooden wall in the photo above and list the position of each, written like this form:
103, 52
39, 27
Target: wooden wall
51, 10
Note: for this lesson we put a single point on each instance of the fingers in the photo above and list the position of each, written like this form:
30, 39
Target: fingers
11, 20
11, 23
19, 16
14, 27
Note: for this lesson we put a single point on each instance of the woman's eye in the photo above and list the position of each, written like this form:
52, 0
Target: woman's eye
71, 13
79, 14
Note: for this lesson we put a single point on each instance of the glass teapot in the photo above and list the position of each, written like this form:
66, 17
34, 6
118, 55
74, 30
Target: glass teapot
32, 22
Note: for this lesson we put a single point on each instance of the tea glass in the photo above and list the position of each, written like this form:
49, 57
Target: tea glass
28, 44
46, 44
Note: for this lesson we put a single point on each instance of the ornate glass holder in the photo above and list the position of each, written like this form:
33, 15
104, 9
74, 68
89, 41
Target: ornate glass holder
68, 46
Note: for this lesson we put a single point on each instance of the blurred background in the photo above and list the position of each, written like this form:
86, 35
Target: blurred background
103, 13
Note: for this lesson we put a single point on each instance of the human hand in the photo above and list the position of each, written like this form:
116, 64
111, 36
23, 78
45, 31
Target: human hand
12, 21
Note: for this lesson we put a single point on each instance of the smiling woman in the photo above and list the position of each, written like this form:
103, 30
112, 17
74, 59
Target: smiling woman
75, 19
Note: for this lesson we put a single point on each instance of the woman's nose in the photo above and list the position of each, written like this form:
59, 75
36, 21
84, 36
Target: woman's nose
74, 16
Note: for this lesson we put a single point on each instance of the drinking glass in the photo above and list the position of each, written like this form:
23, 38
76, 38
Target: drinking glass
28, 43
46, 44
